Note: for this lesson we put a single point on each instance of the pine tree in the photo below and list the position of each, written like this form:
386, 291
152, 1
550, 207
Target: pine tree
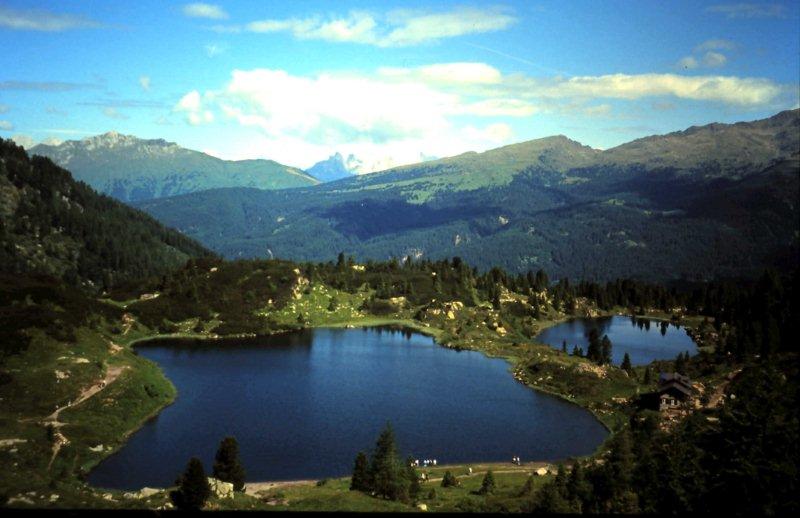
227, 465
193, 489
488, 485
648, 376
579, 491
449, 480
413, 479
564, 347
360, 480
593, 352
385, 470
626, 364
605, 349
549, 500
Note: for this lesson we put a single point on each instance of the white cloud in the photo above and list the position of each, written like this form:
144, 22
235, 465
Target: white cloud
6, 126
41, 20
191, 105
202, 10
748, 10
394, 29
688, 63
715, 44
214, 49
394, 114
447, 73
4, 108
23, 140
112, 113
714, 59
54, 110
732, 90
144, 82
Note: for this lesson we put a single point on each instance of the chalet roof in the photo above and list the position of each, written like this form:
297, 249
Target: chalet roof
666, 377
676, 385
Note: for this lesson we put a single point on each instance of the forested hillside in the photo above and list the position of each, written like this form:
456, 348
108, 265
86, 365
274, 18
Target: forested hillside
51, 224
714, 201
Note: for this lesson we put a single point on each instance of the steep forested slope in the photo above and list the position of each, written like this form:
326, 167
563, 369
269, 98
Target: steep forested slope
53, 225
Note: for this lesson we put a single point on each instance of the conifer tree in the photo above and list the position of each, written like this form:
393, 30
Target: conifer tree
193, 489
360, 480
594, 351
488, 485
413, 479
227, 465
626, 364
385, 471
449, 480
605, 350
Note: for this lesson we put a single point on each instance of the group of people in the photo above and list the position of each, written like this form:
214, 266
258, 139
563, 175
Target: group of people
425, 463
516, 460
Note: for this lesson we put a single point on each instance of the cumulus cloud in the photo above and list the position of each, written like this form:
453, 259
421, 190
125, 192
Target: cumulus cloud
748, 10
438, 109
42, 20
191, 105
6, 126
714, 59
394, 29
201, 10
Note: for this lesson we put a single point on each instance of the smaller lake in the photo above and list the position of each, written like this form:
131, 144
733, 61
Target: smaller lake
644, 340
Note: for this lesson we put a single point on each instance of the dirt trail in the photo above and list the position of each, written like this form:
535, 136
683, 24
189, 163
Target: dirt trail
254, 488
716, 398
112, 373
59, 440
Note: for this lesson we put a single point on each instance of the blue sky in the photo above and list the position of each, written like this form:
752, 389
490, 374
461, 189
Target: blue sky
390, 82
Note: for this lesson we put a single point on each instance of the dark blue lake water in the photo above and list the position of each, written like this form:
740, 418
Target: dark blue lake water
644, 340
302, 405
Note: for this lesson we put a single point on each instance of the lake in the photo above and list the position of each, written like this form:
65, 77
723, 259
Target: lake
303, 404
644, 340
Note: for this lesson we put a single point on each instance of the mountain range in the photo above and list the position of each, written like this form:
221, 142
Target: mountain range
133, 169
710, 201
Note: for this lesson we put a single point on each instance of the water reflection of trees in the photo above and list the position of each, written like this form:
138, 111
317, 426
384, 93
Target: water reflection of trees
601, 324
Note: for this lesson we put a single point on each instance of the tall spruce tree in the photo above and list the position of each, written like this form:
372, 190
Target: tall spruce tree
385, 470
360, 480
193, 490
593, 351
626, 364
227, 465
605, 350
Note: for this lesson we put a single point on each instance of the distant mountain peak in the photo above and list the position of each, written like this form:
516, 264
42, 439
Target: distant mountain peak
336, 167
